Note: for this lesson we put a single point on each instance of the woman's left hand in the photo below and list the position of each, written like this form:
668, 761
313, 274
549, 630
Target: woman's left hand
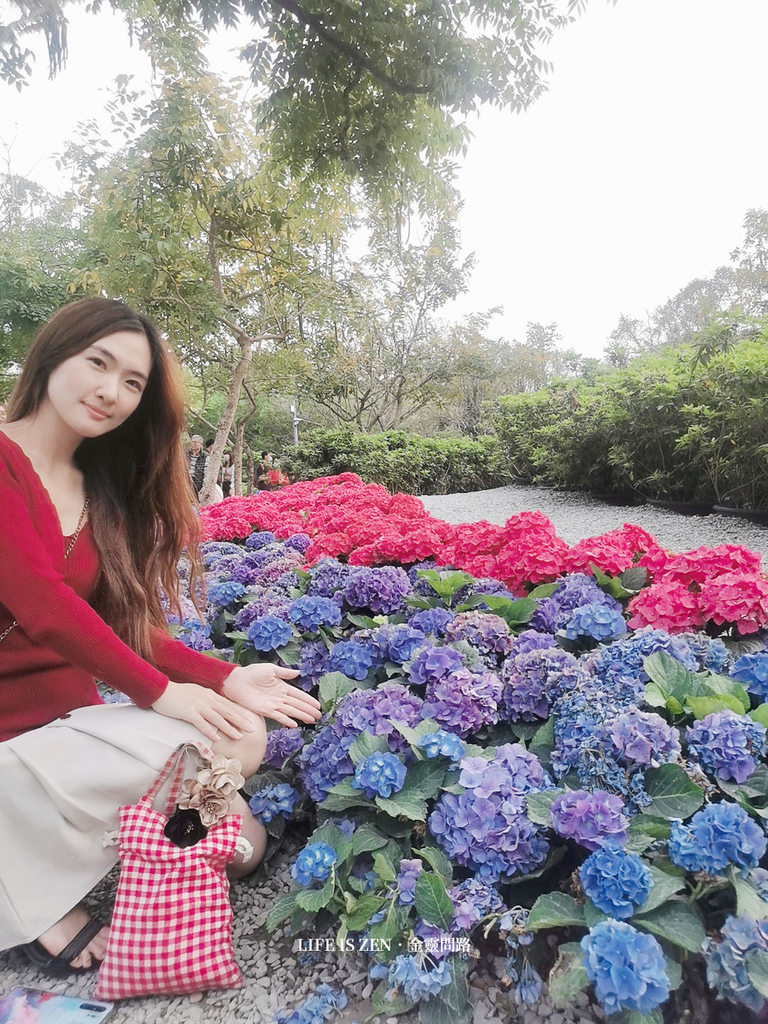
264, 688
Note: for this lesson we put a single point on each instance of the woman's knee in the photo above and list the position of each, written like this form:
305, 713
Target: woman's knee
249, 750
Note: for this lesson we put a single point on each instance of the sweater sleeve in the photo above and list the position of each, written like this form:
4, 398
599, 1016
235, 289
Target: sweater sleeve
52, 614
184, 665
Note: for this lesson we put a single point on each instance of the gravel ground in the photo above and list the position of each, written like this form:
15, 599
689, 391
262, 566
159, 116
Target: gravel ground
274, 977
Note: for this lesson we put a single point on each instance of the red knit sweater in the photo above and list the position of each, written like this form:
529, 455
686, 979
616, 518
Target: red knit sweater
48, 662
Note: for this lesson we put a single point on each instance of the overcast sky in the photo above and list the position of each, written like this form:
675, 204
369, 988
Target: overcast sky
628, 179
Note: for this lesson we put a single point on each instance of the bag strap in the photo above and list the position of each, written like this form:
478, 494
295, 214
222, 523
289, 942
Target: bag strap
174, 772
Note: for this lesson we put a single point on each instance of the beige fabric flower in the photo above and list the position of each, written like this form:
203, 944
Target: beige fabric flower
223, 776
211, 804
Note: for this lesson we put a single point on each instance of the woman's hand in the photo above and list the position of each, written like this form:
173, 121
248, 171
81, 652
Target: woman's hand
210, 712
263, 688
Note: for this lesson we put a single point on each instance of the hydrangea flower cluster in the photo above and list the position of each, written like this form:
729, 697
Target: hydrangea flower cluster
726, 960
407, 874
752, 670
310, 613
622, 662
379, 590
225, 593
325, 761
716, 836
488, 633
273, 800
318, 1008
472, 900
441, 742
589, 818
430, 664
431, 620
314, 863
281, 744
643, 737
464, 701
616, 881
727, 744
417, 981
485, 827
535, 679
381, 774
350, 657
626, 967
596, 622
402, 642
376, 711
576, 590
268, 633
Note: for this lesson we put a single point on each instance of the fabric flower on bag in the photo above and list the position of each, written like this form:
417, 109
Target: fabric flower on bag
210, 804
223, 775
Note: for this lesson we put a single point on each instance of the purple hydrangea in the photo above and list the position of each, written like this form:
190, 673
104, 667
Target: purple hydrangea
532, 640
486, 632
464, 701
472, 900
380, 590
262, 601
381, 774
590, 819
310, 613
430, 664
578, 589
727, 744
350, 657
644, 738
710, 653
615, 880
268, 633
431, 620
406, 880
485, 828
535, 679
375, 711
313, 663
752, 670
596, 621
328, 577
259, 539
626, 966
299, 542
716, 836
281, 744
313, 863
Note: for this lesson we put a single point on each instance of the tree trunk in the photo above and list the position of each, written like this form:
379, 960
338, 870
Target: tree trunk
249, 473
237, 476
213, 465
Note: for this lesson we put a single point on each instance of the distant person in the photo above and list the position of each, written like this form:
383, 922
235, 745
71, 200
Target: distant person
196, 460
227, 470
209, 446
262, 471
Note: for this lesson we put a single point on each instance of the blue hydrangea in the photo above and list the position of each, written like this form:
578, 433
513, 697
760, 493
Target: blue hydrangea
472, 900
534, 679
752, 670
197, 639
577, 589
319, 1007
431, 620
381, 774
407, 874
441, 742
710, 653
417, 981
350, 657
622, 662
597, 622
259, 539
727, 744
224, 594
433, 663
313, 612
719, 835
726, 960
325, 761
268, 633
381, 590
528, 990
328, 577
403, 641
262, 601
626, 966
273, 800
314, 863
616, 881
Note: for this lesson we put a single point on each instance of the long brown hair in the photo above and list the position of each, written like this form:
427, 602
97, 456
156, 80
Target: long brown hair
141, 508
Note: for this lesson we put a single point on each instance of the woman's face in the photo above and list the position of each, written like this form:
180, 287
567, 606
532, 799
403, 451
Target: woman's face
96, 390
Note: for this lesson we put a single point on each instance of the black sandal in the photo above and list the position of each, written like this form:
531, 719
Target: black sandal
60, 966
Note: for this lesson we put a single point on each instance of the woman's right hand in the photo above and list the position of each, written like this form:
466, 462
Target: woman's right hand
215, 716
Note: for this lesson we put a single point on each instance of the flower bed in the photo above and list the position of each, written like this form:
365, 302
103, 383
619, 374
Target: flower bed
511, 746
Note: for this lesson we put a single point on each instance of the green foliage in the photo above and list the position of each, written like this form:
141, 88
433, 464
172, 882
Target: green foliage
399, 460
673, 425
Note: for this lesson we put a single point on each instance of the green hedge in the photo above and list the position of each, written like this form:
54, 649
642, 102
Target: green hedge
667, 428
400, 461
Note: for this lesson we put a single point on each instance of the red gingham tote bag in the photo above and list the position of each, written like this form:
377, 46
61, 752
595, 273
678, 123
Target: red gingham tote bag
171, 932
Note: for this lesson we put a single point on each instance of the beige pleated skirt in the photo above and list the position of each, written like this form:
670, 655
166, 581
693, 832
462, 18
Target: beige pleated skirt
60, 790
